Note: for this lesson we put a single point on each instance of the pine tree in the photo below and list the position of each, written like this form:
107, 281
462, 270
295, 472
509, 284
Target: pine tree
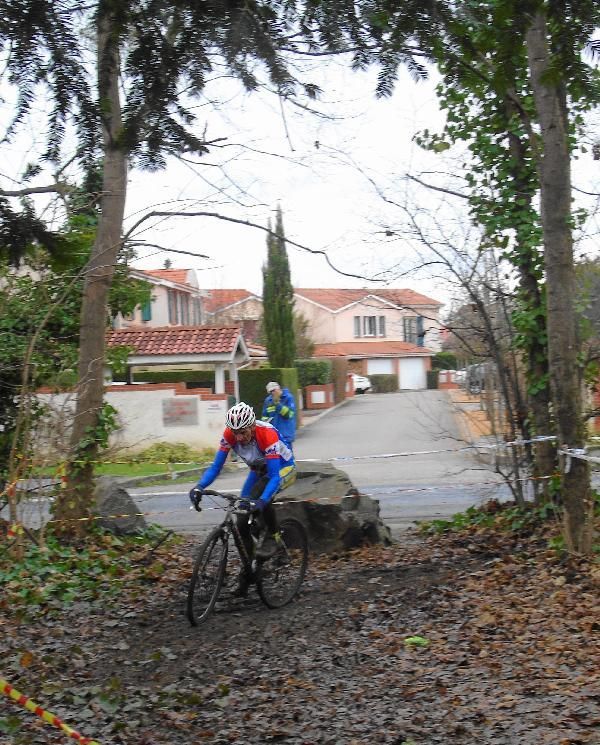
128, 110
278, 299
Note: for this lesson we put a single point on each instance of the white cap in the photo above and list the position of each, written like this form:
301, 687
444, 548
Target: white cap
272, 386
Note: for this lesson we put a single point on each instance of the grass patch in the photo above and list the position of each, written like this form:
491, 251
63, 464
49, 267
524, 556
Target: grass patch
132, 470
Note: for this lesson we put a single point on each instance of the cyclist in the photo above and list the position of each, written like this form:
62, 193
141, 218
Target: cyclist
272, 468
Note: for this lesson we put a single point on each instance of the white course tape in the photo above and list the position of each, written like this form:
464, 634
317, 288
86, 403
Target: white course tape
479, 446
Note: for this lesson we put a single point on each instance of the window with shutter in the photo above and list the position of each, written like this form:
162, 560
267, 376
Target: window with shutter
369, 325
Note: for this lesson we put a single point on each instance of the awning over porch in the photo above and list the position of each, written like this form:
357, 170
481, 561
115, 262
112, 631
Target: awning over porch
215, 346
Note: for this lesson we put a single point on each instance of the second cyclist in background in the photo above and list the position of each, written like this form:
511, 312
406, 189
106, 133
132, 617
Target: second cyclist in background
279, 409
272, 468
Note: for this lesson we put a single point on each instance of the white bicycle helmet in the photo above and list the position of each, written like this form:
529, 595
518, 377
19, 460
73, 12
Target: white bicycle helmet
240, 416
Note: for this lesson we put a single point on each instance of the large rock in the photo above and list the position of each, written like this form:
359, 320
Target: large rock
112, 500
333, 512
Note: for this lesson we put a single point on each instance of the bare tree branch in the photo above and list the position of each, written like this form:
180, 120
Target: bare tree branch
249, 224
58, 188
436, 188
144, 244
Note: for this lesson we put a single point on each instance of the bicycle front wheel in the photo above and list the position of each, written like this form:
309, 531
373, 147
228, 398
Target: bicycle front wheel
278, 578
207, 577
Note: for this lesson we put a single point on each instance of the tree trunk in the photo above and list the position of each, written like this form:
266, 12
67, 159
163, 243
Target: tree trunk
563, 342
543, 454
76, 501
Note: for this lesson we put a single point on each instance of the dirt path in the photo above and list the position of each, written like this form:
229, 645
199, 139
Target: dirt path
334, 668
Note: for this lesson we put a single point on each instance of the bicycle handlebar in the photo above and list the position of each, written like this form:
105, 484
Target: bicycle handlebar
231, 498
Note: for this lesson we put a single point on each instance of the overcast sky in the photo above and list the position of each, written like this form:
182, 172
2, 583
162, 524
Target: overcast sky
326, 170
316, 168
327, 173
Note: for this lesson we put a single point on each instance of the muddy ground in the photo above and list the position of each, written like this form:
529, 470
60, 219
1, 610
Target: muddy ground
512, 655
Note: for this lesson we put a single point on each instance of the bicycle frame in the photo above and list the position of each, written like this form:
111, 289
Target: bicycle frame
277, 577
231, 527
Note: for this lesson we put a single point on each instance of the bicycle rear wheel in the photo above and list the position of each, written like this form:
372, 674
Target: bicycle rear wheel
207, 577
278, 578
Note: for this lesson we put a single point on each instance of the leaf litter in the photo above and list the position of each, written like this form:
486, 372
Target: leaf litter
436, 639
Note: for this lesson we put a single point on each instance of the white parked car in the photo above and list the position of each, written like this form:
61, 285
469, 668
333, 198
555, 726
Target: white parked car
361, 383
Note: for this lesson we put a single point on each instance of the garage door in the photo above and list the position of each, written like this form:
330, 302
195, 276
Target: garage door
380, 367
412, 373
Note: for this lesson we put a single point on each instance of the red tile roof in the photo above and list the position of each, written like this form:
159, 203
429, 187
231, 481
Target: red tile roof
177, 339
256, 350
173, 275
335, 299
370, 349
220, 299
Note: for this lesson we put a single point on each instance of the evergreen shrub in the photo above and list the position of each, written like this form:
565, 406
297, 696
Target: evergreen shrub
253, 382
384, 383
444, 361
340, 376
199, 378
313, 372
432, 379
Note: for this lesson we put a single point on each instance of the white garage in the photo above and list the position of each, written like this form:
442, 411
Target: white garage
412, 374
380, 366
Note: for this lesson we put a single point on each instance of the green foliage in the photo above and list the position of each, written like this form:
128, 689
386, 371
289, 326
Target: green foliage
116, 359
200, 378
253, 383
29, 308
444, 361
21, 232
384, 383
47, 578
164, 47
95, 438
432, 379
495, 515
278, 300
168, 452
313, 372
305, 346
47, 305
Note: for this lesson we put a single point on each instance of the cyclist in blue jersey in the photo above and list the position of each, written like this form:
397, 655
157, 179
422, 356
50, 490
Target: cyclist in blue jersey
279, 409
272, 468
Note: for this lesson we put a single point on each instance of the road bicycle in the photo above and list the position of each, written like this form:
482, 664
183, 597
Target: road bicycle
217, 566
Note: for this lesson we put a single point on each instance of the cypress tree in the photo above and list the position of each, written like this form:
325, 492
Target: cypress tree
278, 299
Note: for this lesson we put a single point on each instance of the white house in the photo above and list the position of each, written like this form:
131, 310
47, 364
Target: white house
177, 300
387, 331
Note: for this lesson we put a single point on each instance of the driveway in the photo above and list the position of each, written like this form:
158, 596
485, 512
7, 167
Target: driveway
404, 449
427, 475
419, 467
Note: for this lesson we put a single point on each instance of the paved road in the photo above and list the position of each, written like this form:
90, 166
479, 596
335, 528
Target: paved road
420, 485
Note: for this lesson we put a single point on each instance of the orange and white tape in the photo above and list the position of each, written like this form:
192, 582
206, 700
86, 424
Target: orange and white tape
49, 718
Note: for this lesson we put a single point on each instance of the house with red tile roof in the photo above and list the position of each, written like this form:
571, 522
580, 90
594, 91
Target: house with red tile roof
177, 300
235, 306
383, 331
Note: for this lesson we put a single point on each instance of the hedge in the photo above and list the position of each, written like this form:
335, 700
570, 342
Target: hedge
444, 361
313, 372
253, 383
432, 379
200, 378
340, 377
384, 383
